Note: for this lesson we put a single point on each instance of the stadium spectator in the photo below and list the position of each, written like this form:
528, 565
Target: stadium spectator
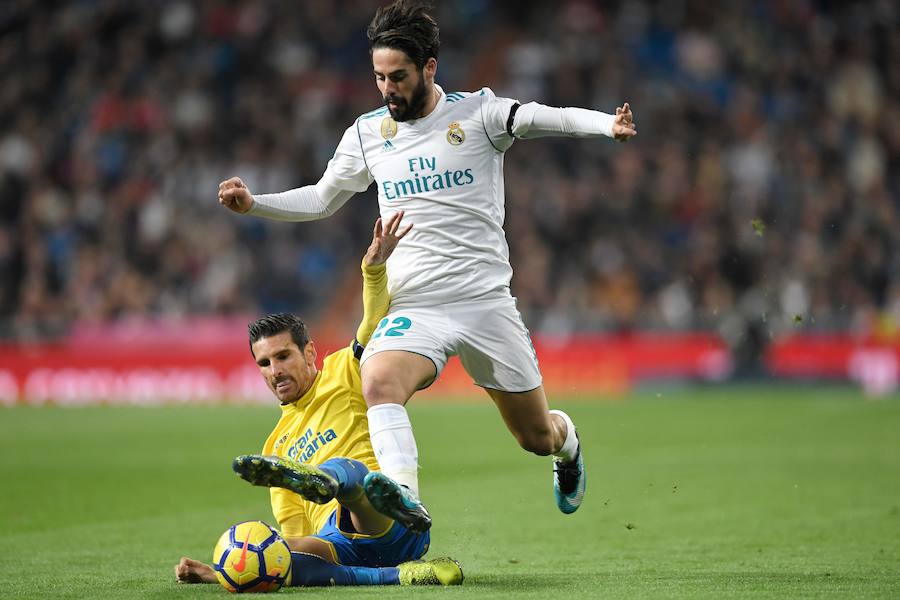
765, 189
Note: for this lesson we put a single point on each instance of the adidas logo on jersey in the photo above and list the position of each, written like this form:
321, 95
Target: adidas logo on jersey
387, 146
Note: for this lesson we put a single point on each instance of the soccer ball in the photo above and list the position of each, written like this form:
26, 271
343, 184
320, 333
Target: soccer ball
252, 557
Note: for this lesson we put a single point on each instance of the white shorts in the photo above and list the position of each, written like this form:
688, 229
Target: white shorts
488, 336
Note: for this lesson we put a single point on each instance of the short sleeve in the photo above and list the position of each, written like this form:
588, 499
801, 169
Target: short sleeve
347, 169
495, 114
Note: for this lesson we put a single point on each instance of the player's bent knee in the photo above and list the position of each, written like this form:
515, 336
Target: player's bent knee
392, 377
386, 386
381, 389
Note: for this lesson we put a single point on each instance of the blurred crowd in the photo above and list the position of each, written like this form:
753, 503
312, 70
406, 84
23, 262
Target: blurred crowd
761, 194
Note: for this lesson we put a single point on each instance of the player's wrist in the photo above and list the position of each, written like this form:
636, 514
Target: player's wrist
371, 266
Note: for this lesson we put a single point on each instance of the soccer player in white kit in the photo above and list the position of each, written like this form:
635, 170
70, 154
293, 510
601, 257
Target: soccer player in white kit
438, 156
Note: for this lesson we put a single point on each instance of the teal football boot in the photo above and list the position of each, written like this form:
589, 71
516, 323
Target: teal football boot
396, 501
569, 481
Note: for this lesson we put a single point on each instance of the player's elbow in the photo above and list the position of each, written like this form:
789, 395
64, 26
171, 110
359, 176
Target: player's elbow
326, 210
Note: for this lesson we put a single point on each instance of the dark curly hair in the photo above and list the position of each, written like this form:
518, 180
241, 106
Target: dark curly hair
406, 25
272, 325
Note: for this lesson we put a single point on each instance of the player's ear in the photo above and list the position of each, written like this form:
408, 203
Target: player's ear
309, 352
430, 69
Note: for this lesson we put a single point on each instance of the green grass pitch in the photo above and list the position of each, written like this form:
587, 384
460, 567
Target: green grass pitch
699, 493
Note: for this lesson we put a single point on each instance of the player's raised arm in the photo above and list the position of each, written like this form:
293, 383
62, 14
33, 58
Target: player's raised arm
385, 239
535, 120
346, 174
376, 299
307, 203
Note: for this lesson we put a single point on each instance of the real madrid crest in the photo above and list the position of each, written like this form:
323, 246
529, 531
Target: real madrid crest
456, 135
388, 128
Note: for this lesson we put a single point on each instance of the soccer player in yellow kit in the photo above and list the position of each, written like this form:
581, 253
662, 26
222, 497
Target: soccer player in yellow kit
317, 456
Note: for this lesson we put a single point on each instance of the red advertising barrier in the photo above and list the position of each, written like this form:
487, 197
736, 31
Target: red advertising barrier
157, 368
211, 363
75, 375
205, 359
608, 365
873, 363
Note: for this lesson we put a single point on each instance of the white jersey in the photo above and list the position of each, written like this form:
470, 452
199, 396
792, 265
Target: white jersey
446, 171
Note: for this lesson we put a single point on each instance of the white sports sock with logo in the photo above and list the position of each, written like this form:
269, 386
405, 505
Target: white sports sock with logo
569, 449
394, 444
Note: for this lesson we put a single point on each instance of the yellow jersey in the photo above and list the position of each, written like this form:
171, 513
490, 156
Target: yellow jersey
329, 420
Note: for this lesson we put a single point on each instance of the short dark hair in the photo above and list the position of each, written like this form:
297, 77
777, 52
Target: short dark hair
406, 25
272, 325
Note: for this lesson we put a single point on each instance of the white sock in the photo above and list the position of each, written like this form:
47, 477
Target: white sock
569, 449
394, 444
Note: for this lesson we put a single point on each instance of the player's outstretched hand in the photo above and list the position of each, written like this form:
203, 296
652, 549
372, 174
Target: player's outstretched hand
234, 195
189, 570
624, 127
385, 239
